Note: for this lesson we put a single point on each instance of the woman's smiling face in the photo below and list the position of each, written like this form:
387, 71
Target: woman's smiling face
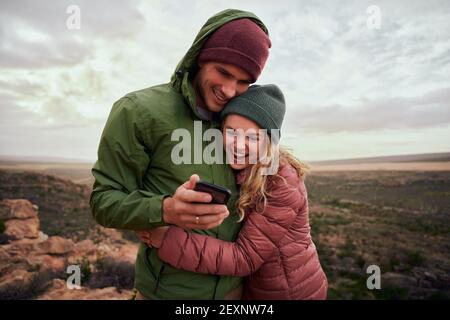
242, 139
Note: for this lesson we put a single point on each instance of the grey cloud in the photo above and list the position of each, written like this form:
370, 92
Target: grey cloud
429, 110
60, 112
26, 55
99, 18
55, 113
13, 118
27, 133
343, 55
61, 46
21, 87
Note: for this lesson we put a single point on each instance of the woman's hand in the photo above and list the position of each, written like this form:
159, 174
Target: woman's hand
154, 237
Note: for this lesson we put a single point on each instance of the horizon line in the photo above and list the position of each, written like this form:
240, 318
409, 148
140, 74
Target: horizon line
50, 159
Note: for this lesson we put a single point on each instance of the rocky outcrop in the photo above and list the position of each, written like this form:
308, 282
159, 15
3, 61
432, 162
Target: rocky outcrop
20, 219
33, 265
17, 209
55, 245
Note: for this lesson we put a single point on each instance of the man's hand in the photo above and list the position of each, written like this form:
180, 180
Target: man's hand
189, 209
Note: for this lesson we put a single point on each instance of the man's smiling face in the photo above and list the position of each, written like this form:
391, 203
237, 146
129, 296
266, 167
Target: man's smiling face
216, 83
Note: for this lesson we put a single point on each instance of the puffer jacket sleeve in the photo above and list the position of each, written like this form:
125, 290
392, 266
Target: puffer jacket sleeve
117, 199
258, 238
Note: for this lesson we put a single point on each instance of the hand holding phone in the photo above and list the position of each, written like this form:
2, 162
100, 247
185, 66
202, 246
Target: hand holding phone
192, 210
220, 195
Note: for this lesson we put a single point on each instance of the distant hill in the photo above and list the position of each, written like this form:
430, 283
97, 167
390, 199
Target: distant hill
21, 159
56, 161
80, 172
423, 157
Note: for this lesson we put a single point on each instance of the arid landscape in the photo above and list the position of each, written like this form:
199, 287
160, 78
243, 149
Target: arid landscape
398, 220
393, 213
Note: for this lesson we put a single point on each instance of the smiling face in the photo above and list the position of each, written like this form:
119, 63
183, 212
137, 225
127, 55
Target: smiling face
242, 141
216, 83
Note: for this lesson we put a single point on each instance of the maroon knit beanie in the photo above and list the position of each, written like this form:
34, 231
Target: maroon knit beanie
241, 43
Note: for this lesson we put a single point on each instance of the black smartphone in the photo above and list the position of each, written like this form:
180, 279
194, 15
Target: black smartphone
220, 195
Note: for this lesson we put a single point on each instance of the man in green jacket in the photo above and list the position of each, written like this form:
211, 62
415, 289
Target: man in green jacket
138, 185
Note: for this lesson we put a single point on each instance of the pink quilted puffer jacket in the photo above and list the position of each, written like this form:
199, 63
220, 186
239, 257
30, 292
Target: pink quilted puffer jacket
274, 249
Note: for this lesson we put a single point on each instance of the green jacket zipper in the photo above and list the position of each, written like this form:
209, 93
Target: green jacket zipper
158, 279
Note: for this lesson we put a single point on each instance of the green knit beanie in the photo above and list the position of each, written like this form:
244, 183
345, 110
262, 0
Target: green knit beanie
263, 104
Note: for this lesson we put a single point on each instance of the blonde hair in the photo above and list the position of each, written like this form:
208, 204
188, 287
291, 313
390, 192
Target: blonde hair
254, 191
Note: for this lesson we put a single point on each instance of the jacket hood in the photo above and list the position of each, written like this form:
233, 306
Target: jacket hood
188, 65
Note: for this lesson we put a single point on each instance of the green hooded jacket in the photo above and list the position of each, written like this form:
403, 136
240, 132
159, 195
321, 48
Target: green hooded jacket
134, 172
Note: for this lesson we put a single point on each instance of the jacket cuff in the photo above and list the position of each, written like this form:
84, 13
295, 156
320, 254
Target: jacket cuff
154, 207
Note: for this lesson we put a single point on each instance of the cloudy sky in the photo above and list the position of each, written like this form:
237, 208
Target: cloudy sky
359, 81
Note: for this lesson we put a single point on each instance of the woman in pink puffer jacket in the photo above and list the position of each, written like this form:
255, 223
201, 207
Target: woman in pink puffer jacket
274, 249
